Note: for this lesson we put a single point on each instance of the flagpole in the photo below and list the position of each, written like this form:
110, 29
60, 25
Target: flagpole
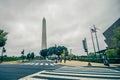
93, 42
96, 38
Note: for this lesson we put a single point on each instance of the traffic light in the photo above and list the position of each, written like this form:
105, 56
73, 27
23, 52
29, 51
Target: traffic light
22, 52
85, 45
3, 50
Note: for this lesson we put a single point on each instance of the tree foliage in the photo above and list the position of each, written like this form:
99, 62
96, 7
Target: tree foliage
111, 53
32, 55
117, 34
54, 50
28, 56
44, 53
3, 38
116, 39
70, 56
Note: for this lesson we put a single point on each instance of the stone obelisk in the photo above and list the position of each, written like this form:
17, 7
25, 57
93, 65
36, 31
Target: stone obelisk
44, 37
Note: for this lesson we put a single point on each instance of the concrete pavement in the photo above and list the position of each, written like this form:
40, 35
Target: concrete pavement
83, 63
71, 63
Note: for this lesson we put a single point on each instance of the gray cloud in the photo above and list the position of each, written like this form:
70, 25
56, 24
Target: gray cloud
68, 22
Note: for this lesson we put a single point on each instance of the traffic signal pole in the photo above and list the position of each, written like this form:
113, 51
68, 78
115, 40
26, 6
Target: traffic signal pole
86, 50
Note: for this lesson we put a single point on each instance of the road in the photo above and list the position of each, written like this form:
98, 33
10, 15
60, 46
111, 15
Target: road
41, 70
16, 71
77, 73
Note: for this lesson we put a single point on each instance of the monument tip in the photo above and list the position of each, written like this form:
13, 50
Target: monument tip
43, 17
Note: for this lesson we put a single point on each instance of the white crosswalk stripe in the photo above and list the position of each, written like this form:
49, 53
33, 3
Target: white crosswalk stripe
46, 64
76, 73
41, 64
31, 63
36, 63
52, 64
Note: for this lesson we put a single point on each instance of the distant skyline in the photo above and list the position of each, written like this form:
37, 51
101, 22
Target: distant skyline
68, 22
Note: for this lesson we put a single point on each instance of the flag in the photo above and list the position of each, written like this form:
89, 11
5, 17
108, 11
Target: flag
93, 30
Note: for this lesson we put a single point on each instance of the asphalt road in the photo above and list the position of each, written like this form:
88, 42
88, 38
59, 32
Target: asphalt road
51, 71
77, 73
16, 71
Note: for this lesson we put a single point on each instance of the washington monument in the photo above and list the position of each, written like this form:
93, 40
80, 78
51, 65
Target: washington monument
44, 38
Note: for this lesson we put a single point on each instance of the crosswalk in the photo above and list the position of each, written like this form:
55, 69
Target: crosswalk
76, 73
39, 64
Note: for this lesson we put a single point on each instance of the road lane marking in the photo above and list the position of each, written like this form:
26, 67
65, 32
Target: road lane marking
29, 77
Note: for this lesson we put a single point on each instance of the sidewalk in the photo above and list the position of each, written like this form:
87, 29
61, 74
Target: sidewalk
12, 62
82, 63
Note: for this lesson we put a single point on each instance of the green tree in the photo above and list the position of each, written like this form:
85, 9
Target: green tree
3, 39
111, 53
116, 39
91, 55
59, 51
112, 56
44, 53
28, 56
50, 51
70, 56
32, 55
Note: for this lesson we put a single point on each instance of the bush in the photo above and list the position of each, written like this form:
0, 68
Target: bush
11, 58
112, 56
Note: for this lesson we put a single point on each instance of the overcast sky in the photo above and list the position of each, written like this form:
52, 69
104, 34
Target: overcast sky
68, 22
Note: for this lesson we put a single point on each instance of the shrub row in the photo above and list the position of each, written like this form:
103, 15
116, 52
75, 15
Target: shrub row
11, 58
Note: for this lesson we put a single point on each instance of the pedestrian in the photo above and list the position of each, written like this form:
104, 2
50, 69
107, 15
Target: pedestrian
65, 60
106, 63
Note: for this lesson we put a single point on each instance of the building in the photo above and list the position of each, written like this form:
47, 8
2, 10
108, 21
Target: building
109, 33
